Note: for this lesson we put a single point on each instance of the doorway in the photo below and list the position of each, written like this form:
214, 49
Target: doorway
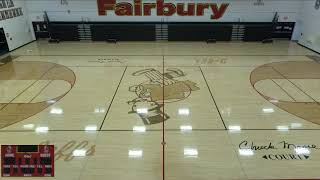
4, 48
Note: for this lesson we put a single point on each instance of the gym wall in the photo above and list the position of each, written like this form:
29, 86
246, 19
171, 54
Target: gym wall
16, 24
310, 26
238, 10
256, 19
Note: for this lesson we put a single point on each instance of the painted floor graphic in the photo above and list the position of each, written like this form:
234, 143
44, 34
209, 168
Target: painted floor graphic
151, 111
308, 108
32, 73
158, 89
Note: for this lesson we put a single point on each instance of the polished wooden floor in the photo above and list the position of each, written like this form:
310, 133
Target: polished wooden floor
174, 111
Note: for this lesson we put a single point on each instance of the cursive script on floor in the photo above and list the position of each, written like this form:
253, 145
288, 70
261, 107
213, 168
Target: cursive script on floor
66, 151
271, 146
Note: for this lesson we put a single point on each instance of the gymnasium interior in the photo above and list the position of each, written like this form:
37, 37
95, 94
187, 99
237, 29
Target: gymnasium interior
160, 89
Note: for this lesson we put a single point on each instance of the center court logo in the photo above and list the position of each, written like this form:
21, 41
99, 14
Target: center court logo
160, 88
137, 8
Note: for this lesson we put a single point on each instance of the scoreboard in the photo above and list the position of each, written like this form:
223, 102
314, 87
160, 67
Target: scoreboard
27, 160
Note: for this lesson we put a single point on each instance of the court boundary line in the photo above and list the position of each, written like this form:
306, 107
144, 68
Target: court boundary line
215, 103
114, 95
197, 65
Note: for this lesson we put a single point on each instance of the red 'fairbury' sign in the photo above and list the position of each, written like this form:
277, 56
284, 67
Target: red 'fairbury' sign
137, 8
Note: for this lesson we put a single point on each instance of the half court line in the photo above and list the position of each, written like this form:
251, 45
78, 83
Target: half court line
163, 115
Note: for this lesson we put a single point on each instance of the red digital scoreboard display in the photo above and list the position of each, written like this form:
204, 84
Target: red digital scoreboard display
27, 160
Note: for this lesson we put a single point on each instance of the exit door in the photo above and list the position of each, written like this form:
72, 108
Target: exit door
3, 42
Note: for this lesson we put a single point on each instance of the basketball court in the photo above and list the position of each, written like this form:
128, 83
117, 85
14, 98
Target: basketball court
154, 110
160, 90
